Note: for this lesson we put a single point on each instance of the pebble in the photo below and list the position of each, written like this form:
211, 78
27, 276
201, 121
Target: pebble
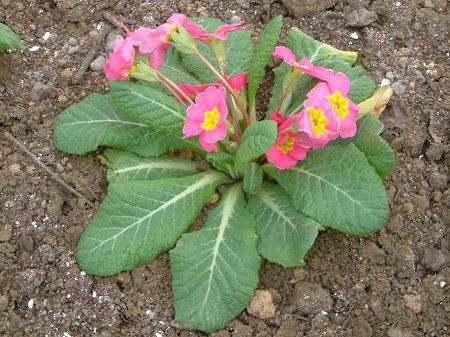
435, 152
262, 305
235, 19
244, 3
6, 3
14, 168
378, 309
73, 234
354, 36
30, 303
428, 4
398, 88
414, 303
42, 91
375, 253
4, 302
361, 17
394, 332
438, 181
5, 232
34, 48
59, 167
384, 82
109, 44
72, 42
311, 298
26, 243
435, 259
420, 202
97, 64
73, 50
404, 261
390, 76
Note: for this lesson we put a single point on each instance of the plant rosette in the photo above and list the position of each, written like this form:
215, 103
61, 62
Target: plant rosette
313, 160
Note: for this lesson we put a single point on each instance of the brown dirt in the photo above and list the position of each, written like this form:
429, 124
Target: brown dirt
394, 283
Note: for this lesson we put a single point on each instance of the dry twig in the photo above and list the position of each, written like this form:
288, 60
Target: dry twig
45, 168
91, 54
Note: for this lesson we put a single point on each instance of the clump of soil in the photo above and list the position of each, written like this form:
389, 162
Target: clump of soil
394, 283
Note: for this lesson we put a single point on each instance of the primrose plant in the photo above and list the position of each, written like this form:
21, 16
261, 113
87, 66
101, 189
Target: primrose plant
184, 132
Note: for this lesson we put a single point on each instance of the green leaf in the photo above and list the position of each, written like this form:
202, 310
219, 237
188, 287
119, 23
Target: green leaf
255, 141
238, 47
253, 178
223, 162
261, 55
96, 121
124, 166
9, 39
139, 220
215, 269
175, 69
337, 187
378, 152
317, 52
285, 234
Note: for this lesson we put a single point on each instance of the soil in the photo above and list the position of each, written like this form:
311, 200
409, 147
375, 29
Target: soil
393, 283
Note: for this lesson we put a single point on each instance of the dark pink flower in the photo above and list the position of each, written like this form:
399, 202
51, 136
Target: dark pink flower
120, 61
287, 150
220, 33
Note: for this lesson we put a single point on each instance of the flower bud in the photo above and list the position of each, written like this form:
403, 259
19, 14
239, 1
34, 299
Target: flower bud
183, 41
145, 72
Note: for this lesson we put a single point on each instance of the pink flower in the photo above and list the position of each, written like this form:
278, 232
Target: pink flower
220, 33
237, 82
335, 90
120, 61
318, 122
206, 118
304, 65
277, 117
287, 150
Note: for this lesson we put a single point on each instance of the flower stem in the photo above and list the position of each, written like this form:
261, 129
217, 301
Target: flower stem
228, 86
168, 87
280, 102
297, 109
174, 85
237, 128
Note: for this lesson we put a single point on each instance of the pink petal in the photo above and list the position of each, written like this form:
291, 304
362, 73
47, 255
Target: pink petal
298, 152
304, 123
348, 126
238, 82
320, 90
340, 82
277, 117
192, 128
177, 19
196, 112
285, 54
274, 155
208, 147
193, 28
225, 29
212, 136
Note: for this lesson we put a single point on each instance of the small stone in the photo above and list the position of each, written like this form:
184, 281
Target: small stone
6, 3
7, 248
398, 88
394, 332
26, 243
62, 99
404, 261
262, 305
378, 309
429, 4
5, 232
298, 8
299, 274
289, 328
14, 168
235, 19
72, 42
73, 50
4, 302
97, 64
59, 167
375, 253
73, 234
420, 202
361, 17
390, 76
438, 181
241, 330
109, 44
435, 259
354, 36
435, 152
244, 3
414, 303
384, 82
311, 298
42, 91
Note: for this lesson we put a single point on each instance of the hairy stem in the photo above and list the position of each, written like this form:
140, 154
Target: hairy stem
173, 92
174, 85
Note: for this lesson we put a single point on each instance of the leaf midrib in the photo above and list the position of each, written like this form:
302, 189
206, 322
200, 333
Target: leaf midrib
160, 165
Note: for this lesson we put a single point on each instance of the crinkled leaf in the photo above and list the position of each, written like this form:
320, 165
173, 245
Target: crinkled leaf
139, 220
124, 166
378, 152
153, 108
9, 39
337, 187
253, 178
96, 121
317, 52
175, 69
256, 140
284, 234
223, 162
238, 46
261, 55
215, 269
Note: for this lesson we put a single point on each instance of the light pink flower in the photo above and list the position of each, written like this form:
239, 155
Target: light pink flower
220, 33
120, 61
318, 122
304, 65
237, 82
206, 118
335, 90
287, 150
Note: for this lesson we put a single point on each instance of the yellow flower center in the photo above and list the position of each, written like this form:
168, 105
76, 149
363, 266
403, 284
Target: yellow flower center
287, 146
318, 121
132, 70
340, 104
211, 119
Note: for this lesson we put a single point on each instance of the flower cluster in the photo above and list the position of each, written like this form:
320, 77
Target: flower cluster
326, 114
